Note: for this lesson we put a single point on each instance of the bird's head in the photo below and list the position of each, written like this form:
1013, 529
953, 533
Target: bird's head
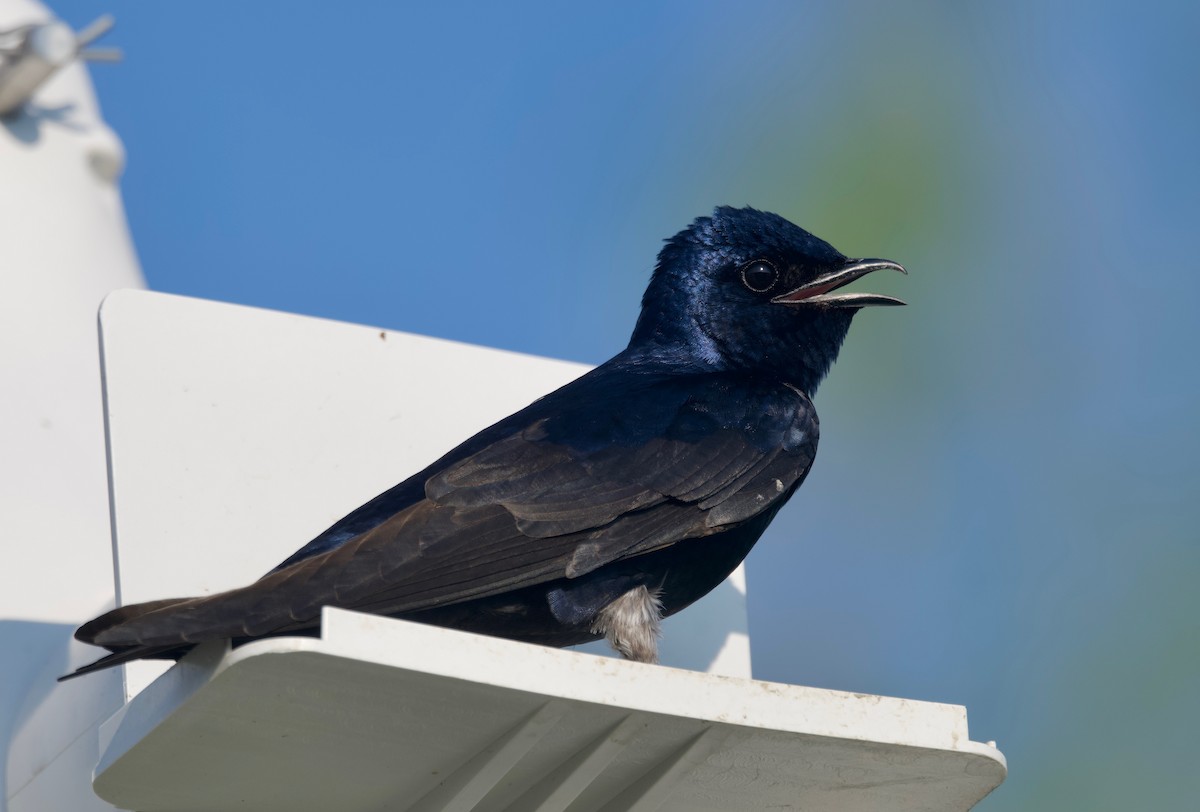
746, 289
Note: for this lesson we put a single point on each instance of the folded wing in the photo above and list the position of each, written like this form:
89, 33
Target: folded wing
595, 473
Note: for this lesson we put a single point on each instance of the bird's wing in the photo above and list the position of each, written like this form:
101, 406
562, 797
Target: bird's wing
589, 476
647, 465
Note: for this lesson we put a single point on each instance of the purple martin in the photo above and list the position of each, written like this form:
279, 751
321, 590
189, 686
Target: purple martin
601, 508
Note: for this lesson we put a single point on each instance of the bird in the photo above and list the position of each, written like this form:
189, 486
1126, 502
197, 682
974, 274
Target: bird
601, 508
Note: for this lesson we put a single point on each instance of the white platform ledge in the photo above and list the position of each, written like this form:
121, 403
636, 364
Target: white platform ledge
382, 714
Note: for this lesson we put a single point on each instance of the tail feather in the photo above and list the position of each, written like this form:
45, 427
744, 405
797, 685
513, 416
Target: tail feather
126, 655
105, 630
168, 629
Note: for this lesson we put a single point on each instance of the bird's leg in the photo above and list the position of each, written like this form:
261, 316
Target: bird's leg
632, 624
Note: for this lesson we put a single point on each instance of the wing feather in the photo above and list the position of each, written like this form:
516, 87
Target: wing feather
587, 476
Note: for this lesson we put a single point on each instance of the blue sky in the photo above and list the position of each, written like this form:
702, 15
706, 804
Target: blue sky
1003, 512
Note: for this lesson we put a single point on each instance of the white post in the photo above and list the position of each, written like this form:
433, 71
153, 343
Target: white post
65, 245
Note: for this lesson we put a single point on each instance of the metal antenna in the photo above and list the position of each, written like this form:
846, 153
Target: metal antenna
31, 54
91, 33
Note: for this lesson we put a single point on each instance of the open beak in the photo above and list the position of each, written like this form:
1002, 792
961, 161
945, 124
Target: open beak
820, 290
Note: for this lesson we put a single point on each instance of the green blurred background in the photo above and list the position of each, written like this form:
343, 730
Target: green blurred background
1004, 510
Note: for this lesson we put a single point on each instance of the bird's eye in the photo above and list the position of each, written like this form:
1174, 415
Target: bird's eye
759, 275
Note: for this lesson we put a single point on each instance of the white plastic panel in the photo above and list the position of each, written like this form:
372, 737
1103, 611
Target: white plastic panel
238, 434
381, 714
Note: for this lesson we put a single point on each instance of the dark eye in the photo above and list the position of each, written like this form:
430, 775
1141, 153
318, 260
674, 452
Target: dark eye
759, 275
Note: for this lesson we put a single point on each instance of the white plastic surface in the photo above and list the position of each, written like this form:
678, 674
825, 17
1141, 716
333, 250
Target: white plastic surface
383, 714
238, 434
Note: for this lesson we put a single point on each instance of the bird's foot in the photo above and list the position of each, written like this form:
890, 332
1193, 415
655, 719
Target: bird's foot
632, 624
